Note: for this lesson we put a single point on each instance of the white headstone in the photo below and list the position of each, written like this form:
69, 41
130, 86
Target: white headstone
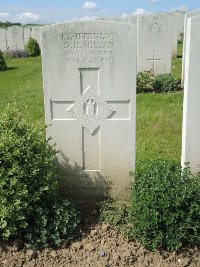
154, 43
27, 34
15, 38
129, 19
132, 20
187, 16
118, 19
35, 34
89, 72
178, 28
3, 43
191, 108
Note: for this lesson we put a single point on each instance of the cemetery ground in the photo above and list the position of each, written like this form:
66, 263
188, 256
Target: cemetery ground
159, 122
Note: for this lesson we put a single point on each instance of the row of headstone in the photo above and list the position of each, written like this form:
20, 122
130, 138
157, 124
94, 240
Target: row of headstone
89, 73
158, 37
16, 37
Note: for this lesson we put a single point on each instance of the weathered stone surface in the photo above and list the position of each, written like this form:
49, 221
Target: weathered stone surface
132, 20
3, 42
89, 72
154, 43
187, 16
178, 27
35, 33
27, 34
128, 19
118, 19
191, 109
15, 38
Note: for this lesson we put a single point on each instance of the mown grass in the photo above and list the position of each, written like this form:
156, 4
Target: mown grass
159, 120
21, 85
159, 116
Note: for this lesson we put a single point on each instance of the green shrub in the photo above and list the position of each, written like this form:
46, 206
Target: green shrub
32, 48
165, 209
3, 65
166, 82
145, 81
51, 223
28, 174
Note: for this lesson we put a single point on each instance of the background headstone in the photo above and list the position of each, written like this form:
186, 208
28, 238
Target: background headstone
119, 19
35, 34
154, 43
178, 27
129, 19
15, 38
27, 34
191, 108
187, 16
89, 72
132, 20
3, 42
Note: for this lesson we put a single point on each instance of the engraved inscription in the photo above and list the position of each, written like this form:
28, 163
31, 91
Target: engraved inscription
89, 47
90, 110
155, 27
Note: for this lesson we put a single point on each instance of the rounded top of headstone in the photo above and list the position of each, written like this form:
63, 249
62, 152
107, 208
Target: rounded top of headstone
193, 13
81, 25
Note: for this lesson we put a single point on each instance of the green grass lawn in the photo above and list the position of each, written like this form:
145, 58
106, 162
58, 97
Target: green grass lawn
159, 116
21, 85
159, 123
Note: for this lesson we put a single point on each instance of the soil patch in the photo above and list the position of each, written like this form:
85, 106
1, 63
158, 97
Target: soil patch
96, 245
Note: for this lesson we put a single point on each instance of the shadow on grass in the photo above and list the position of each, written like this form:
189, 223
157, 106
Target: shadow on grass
12, 68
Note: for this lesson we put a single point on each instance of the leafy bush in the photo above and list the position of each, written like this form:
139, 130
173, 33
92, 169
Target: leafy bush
166, 82
32, 48
145, 81
165, 209
3, 65
15, 54
28, 175
51, 223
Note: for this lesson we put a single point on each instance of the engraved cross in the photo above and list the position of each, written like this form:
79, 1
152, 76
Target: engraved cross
154, 60
92, 112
